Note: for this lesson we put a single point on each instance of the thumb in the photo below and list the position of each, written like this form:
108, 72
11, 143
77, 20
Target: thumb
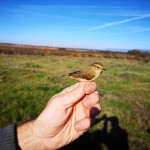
70, 98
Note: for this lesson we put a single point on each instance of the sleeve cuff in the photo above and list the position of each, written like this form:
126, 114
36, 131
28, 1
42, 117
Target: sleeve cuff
8, 138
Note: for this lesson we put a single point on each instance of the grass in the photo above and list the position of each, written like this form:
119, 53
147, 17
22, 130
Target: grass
28, 81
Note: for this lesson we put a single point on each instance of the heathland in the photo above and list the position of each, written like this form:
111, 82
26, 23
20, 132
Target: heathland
30, 76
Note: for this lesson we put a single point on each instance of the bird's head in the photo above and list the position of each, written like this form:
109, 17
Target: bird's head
98, 67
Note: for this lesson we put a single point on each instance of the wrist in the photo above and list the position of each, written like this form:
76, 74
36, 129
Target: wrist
27, 138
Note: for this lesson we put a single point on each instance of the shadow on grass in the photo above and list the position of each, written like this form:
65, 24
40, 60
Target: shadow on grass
113, 138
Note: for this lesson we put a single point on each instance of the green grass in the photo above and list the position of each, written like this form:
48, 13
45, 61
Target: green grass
28, 82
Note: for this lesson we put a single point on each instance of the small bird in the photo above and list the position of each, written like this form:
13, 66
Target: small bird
90, 73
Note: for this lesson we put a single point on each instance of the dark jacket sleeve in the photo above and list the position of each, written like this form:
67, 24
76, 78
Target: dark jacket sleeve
8, 138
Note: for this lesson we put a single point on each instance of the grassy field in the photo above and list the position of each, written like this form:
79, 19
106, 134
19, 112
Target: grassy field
28, 81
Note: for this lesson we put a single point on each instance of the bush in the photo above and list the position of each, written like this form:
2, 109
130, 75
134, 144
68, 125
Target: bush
134, 52
62, 49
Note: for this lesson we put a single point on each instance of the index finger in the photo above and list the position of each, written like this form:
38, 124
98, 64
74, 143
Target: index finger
89, 88
69, 89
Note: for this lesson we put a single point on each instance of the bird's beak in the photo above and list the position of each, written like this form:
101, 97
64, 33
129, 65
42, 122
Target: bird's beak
104, 69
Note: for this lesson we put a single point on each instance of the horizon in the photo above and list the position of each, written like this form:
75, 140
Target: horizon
122, 50
77, 24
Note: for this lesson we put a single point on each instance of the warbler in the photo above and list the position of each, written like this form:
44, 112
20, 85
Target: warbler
90, 73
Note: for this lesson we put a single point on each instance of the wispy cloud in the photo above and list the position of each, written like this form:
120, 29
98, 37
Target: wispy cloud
119, 22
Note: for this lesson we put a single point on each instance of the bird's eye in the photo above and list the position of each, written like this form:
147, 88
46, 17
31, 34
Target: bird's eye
97, 67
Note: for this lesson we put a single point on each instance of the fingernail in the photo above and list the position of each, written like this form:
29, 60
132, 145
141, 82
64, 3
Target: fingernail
89, 89
88, 102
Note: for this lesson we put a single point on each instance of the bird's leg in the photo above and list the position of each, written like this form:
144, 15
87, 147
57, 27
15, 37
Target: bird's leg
99, 92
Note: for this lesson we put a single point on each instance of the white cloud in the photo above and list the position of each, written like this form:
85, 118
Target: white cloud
119, 22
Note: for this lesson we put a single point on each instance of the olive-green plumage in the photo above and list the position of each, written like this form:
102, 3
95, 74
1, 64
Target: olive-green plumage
90, 73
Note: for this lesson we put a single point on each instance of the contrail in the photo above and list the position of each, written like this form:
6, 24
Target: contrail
119, 22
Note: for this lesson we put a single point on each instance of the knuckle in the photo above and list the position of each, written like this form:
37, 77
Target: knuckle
96, 98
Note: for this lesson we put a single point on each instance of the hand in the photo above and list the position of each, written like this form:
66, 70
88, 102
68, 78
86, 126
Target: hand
66, 117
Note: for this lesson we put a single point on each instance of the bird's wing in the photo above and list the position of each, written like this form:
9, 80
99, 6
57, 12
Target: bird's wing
75, 73
88, 74
83, 74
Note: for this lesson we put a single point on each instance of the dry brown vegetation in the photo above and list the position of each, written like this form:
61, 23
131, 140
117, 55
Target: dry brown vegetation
46, 51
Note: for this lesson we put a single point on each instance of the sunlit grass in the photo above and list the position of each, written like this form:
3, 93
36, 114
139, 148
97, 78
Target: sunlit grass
28, 82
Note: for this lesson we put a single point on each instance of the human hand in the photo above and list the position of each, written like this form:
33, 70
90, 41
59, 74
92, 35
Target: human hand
67, 116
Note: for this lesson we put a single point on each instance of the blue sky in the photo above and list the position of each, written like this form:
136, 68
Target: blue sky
96, 24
